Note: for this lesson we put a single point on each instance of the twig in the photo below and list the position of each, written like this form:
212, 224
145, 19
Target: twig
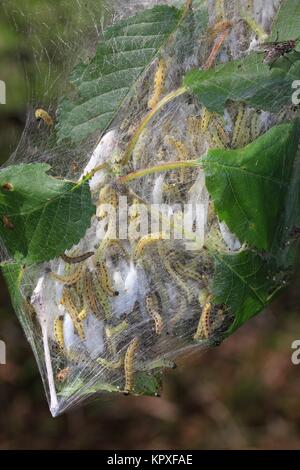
170, 97
157, 169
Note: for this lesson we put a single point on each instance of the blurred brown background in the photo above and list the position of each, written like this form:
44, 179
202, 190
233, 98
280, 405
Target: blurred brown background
242, 395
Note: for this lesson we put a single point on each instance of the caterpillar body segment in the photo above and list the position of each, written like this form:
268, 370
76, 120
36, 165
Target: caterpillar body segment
118, 329
220, 10
80, 285
82, 314
241, 132
178, 280
58, 327
42, 115
90, 297
76, 259
70, 279
104, 280
129, 365
183, 155
107, 196
159, 80
101, 297
205, 120
153, 309
255, 126
145, 242
182, 151
106, 364
186, 272
112, 334
67, 302
203, 330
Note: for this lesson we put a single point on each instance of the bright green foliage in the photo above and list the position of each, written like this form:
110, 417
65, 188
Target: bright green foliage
103, 85
41, 216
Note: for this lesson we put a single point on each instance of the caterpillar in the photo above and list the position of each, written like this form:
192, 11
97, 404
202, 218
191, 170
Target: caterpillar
117, 250
168, 261
7, 187
67, 302
182, 151
205, 120
183, 154
41, 114
79, 286
152, 306
82, 314
7, 222
241, 133
118, 329
129, 365
68, 280
194, 125
101, 297
160, 364
110, 343
214, 139
194, 128
112, 332
107, 195
220, 10
203, 330
158, 84
217, 134
110, 364
104, 280
58, 327
76, 259
90, 299
62, 374
186, 272
145, 242
255, 126
178, 280
134, 210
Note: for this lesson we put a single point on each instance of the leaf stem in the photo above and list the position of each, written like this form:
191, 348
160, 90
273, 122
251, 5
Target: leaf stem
170, 97
157, 169
91, 174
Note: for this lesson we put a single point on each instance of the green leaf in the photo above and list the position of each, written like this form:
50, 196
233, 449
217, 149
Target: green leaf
287, 21
248, 80
41, 216
102, 86
249, 185
13, 274
148, 384
244, 282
